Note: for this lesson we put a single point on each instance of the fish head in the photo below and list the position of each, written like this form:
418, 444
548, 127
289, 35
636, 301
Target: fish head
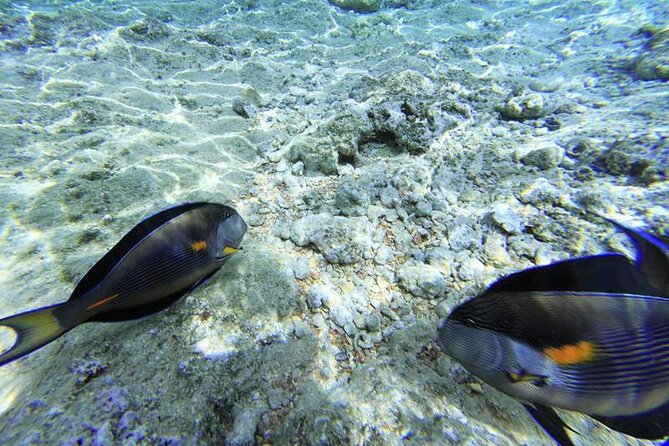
230, 229
513, 367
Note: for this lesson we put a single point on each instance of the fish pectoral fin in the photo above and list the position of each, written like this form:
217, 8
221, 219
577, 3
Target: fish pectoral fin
652, 425
550, 422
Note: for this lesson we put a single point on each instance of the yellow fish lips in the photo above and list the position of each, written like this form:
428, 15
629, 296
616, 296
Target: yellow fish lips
229, 250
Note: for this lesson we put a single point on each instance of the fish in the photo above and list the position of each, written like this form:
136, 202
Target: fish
160, 260
589, 334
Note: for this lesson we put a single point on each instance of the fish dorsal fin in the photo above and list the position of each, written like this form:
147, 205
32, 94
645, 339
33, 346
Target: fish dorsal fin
605, 273
127, 243
652, 256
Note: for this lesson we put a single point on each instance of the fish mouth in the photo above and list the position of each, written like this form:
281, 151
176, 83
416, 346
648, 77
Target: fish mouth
228, 251
230, 234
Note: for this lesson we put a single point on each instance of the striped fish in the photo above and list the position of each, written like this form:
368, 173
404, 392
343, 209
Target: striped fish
159, 261
589, 335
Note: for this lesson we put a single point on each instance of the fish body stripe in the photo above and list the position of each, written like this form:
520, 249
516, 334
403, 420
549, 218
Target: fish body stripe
102, 301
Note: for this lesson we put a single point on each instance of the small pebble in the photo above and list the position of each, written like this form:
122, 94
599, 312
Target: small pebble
301, 268
318, 320
297, 169
471, 269
359, 321
350, 329
504, 217
384, 255
372, 322
387, 312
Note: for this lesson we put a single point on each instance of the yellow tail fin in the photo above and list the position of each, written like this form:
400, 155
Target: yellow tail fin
33, 330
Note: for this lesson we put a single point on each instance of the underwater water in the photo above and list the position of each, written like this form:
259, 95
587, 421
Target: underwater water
391, 158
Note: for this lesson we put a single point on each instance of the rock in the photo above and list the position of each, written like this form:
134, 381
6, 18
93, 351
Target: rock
282, 229
103, 435
423, 208
297, 169
358, 5
364, 340
304, 229
374, 213
87, 371
316, 154
127, 422
653, 66
113, 400
345, 130
352, 198
263, 283
276, 398
599, 199
524, 106
462, 237
653, 62
421, 280
244, 108
545, 157
383, 255
359, 321
342, 315
243, 428
389, 197
350, 329
318, 320
471, 269
584, 173
301, 268
372, 322
548, 84
341, 240
409, 83
504, 217
319, 295
441, 258
581, 147
540, 192
495, 251
615, 161
409, 127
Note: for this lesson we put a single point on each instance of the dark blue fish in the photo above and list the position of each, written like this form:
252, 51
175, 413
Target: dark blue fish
159, 261
589, 335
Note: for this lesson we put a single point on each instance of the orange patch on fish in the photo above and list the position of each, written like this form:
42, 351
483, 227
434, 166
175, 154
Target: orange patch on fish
571, 353
102, 301
198, 246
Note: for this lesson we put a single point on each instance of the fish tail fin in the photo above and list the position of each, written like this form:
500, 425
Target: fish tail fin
33, 329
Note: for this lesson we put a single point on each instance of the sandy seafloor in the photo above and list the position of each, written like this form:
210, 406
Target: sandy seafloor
390, 165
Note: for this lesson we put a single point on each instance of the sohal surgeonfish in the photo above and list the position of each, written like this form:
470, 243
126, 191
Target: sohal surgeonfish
159, 261
589, 334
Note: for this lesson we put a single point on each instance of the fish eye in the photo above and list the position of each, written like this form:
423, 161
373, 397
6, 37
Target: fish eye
227, 214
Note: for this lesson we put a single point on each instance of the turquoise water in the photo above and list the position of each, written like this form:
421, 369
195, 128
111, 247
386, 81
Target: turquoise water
390, 164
